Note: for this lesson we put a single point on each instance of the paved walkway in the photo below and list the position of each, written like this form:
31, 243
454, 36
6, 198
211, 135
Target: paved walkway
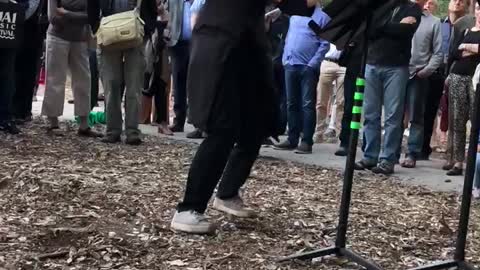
428, 173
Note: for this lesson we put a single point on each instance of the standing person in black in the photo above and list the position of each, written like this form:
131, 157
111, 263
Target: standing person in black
7, 81
465, 57
27, 61
452, 26
277, 33
232, 98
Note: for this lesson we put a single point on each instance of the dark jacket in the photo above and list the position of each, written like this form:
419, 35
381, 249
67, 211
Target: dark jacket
102, 8
391, 41
230, 49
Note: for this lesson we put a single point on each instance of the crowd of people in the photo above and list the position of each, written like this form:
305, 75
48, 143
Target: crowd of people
419, 74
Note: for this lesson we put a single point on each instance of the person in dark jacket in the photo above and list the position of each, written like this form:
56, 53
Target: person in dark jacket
7, 80
120, 66
27, 62
231, 97
386, 78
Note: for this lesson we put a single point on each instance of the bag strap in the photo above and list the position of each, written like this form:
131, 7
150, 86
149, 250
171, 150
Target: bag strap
139, 3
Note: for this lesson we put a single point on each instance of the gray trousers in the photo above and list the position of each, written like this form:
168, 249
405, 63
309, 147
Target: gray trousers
62, 56
122, 69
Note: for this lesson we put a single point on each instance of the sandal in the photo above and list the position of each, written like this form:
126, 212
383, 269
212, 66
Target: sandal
409, 162
164, 129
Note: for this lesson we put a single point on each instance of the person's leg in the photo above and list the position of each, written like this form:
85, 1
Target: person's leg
133, 70
206, 169
417, 117
349, 91
279, 80
27, 60
180, 57
56, 76
449, 124
308, 84
373, 113
431, 103
324, 95
7, 88
81, 82
339, 97
112, 79
94, 83
293, 84
240, 163
395, 85
459, 88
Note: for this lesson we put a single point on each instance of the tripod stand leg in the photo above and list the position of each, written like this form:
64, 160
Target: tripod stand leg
312, 254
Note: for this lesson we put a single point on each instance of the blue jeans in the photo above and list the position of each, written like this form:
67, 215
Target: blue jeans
476, 183
384, 86
301, 82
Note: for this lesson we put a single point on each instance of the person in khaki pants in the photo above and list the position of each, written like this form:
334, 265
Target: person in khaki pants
330, 72
67, 49
122, 71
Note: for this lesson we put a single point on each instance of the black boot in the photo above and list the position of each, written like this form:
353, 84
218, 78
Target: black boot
9, 127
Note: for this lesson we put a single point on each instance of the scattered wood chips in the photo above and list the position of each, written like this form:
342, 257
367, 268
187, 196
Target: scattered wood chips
75, 203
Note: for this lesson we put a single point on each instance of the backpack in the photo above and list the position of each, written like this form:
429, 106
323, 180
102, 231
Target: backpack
121, 31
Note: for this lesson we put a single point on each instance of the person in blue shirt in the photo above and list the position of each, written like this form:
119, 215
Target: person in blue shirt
180, 33
303, 53
195, 10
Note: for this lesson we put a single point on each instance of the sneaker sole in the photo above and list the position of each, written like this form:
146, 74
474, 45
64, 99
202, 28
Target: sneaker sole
302, 152
179, 227
232, 212
283, 149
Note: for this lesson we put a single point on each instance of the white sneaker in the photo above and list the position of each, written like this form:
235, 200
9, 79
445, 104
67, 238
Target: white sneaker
192, 222
234, 206
476, 193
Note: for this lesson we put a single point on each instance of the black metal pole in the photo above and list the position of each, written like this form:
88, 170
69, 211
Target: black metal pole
352, 150
469, 176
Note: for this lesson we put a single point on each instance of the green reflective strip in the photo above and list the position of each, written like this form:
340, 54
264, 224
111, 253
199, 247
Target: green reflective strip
358, 96
360, 82
356, 109
355, 125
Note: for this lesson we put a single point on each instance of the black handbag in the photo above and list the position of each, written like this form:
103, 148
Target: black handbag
12, 17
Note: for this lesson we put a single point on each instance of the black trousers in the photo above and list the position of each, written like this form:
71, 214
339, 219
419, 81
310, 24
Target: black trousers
94, 85
236, 129
432, 102
7, 83
26, 68
180, 54
280, 88
349, 91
